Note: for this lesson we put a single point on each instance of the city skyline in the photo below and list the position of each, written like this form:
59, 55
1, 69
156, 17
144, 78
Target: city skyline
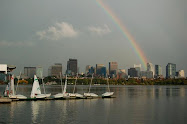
50, 33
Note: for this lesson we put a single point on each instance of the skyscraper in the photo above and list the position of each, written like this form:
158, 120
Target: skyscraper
113, 68
170, 70
138, 68
87, 69
55, 70
158, 70
72, 67
150, 67
99, 69
29, 72
132, 72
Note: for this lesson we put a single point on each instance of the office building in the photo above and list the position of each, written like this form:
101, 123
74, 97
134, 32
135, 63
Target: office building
103, 72
170, 70
39, 72
158, 70
29, 72
132, 72
181, 74
91, 70
113, 68
99, 69
72, 67
55, 70
150, 67
146, 74
138, 68
87, 69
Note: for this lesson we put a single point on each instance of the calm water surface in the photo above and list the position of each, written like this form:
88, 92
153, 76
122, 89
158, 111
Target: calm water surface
132, 105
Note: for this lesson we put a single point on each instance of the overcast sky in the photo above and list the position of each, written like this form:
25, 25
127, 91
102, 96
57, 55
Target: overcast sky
44, 32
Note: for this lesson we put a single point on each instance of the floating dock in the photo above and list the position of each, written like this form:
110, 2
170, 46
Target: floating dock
5, 100
8, 100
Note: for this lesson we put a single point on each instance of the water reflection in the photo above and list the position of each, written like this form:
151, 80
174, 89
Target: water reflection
133, 104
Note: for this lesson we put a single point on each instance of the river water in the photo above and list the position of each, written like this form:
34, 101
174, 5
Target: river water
132, 105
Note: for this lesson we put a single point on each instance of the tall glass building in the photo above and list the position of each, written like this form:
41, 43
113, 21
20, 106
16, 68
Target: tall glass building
170, 70
158, 70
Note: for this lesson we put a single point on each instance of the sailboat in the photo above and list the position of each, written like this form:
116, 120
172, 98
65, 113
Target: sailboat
36, 92
12, 94
63, 94
49, 94
108, 93
6, 92
90, 94
77, 95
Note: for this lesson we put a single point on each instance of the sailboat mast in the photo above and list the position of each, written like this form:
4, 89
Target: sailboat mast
108, 85
75, 83
18, 82
43, 83
61, 81
90, 84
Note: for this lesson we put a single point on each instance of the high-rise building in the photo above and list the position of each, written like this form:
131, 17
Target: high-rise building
39, 72
103, 72
132, 72
113, 68
29, 72
147, 74
150, 67
158, 70
138, 68
55, 70
72, 68
91, 70
99, 69
87, 69
170, 70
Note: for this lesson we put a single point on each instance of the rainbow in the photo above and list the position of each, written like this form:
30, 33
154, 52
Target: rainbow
125, 32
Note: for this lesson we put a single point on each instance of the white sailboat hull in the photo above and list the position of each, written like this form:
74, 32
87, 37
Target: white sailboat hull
61, 95
48, 95
75, 95
107, 94
17, 96
40, 96
90, 95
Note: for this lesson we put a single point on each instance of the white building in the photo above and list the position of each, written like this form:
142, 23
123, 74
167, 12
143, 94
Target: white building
181, 74
150, 67
3, 68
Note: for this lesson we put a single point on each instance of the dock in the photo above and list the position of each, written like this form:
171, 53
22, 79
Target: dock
8, 100
5, 100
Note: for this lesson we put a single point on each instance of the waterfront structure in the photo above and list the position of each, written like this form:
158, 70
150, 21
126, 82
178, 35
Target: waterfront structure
3, 72
150, 67
132, 72
39, 72
158, 71
72, 68
29, 72
55, 70
113, 69
138, 68
146, 74
170, 70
